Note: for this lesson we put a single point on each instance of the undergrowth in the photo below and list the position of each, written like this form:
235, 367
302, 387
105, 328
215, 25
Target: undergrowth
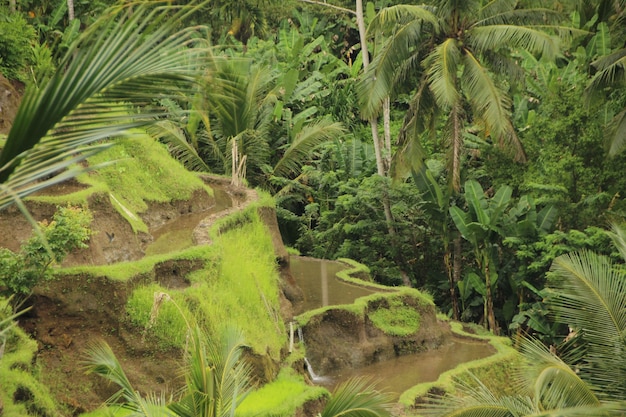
239, 284
21, 392
396, 319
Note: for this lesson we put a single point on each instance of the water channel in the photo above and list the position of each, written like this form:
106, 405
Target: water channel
403, 372
319, 283
177, 234
321, 287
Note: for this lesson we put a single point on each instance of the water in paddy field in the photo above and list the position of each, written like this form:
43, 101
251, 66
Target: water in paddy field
320, 286
319, 283
403, 372
177, 234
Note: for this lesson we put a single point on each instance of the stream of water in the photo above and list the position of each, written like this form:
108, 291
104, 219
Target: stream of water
319, 283
177, 234
403, 372
321, 287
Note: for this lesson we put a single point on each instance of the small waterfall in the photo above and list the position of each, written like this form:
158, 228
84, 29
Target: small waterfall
314, 377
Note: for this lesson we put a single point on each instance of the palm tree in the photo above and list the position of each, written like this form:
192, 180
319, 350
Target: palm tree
589, 376
241, 101
216, 378
107, 84
457, 55
357, 397
610, 69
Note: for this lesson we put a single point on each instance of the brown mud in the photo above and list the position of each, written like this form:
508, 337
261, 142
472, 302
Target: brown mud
71, 312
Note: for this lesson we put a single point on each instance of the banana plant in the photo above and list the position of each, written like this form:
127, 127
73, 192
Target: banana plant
486, 224
436, 204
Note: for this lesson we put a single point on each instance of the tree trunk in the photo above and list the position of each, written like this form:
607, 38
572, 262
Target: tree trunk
360, 21
456, 264
12, 6
70, 10
491, 317
450, 264
387, 130
380, 165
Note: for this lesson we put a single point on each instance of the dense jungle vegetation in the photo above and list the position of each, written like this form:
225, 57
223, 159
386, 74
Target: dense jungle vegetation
455, 146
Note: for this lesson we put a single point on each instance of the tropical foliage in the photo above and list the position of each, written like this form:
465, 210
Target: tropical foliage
70, 118
460, 54
68, 230
216, 379
276, 95
585, 374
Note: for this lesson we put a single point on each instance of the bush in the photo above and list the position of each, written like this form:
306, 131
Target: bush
68, 230
156, 309
396, 320
16, 38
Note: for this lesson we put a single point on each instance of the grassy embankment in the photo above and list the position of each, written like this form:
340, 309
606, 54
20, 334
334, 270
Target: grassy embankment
238, 281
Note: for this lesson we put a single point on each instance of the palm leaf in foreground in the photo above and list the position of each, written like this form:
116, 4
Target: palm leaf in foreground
357, 397
591, 298
102, 361
120, 65
217, 378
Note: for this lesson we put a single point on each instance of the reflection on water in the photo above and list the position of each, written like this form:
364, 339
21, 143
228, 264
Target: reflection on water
320, 285
177, 234
403, 372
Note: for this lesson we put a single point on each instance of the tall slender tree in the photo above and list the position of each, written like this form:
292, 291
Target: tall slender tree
459, 54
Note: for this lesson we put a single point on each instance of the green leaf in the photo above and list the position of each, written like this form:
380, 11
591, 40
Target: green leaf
546, 218
475, 197
461, 220
477, 283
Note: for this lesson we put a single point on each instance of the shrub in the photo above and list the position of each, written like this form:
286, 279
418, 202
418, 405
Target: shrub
16, 38
397, 320
68, 230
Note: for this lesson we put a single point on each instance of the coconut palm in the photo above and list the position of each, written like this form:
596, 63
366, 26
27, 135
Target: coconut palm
358, 397
610, 69
588, 378
456, 54
216, 379
107, 85
241, 102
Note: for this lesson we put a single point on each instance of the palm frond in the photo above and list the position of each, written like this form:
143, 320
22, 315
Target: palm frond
617, 133
495, 37
488, 100
618, 236
379, 78
123, 60
389, 18
178, 144
591, 298
496, 8
474, 399
504, 12
442, 64
311, 136
553, 383
419, 118
611, 70
102, 361
357, 397
217, 378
